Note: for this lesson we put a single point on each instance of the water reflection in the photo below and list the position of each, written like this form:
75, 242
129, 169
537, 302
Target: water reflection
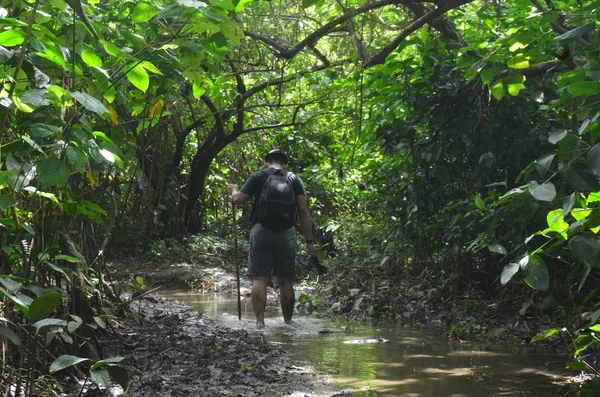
412, 362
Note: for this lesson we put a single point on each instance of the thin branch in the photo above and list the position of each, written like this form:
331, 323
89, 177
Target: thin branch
273, 126
382, 55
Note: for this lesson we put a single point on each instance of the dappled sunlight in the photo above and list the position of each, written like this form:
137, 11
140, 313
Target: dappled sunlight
478, 353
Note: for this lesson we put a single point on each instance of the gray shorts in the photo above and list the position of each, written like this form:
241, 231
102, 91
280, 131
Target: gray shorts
272, 252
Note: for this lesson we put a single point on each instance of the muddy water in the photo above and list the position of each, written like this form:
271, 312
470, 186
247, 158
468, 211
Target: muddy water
399, 361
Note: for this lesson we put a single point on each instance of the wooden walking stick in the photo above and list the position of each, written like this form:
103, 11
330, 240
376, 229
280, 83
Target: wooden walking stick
237, 262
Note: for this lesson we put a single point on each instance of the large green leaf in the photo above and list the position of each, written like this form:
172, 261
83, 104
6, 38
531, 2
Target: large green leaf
577, 32
143, 12
101, 377
582, 178
52, 172
586, 248
537, 276
77, 158
585, 88
11, 38
36, 97
546, 334
90, 103
544, 192
119, 375
139, 78
40, 130
66, 361
91, 58
43, 306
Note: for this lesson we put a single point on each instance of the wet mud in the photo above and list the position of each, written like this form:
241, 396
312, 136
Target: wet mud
172, 350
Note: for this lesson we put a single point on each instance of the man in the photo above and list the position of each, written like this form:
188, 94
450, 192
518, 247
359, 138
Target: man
273, 233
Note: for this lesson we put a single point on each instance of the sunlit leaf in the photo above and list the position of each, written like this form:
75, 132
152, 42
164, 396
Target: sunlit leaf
508, 272
90, 58
542, 336
143, 12
90, 103
139, 78
11, 38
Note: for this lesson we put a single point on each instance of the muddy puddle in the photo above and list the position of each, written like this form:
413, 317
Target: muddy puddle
398, 361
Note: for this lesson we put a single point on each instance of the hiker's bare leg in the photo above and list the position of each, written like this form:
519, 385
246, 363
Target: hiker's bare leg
259, 299
286, 297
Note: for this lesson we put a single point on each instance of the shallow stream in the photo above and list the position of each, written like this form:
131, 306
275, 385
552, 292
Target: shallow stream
396, 361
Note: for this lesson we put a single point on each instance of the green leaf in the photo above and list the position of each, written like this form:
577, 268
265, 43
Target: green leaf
309, 3
546, 334
36, 97
48, 323
498, 90
40, 130
110, 360
6, 201
595, 328
66, 361
52, 172
18, 302
43, 306
577, 32
139, 78
556, 222
582, 178
242, 4
593, 159
11, 38
53, 54
537, 276
542, 165
568, 204
143, 12
77, 158
586, 248
514, 89
497, 248
585, 88
556, 136
101, 377
519, 61
508, 272
10, 334
90, 103
479, 202
91, 58
544, 192
119, 375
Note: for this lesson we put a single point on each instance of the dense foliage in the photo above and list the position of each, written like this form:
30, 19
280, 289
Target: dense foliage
455, 139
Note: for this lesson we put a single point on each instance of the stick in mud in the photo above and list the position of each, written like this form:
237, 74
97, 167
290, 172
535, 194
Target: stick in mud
237, 263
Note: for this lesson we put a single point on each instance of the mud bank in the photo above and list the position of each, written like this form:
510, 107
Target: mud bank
172, 350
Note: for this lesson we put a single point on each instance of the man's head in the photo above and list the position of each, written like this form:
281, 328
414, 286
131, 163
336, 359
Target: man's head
276, 157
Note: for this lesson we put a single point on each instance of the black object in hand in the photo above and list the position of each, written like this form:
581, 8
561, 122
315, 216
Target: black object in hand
312, 264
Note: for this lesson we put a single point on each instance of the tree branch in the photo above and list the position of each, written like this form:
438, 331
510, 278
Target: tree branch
382, 55
310, 40
218, 120
273, 126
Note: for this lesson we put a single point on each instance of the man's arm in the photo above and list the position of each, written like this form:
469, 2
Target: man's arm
237, 197
307, 223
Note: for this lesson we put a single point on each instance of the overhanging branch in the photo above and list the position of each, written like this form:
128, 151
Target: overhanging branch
382, 55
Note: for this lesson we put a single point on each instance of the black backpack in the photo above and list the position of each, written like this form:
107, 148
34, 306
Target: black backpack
277, 205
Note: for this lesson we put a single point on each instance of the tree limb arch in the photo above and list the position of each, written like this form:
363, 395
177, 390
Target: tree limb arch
444, 7
287, 52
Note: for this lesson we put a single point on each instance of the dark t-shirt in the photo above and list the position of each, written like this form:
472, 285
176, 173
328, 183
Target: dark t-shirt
255, 182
